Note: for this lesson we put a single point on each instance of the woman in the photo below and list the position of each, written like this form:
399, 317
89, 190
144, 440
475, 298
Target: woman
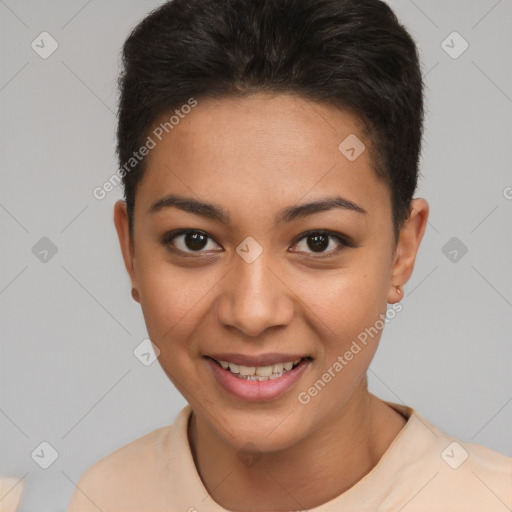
269, 155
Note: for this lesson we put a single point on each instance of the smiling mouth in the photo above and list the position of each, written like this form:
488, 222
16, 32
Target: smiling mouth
260, 373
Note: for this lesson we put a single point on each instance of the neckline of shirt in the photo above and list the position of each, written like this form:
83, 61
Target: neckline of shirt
407, 445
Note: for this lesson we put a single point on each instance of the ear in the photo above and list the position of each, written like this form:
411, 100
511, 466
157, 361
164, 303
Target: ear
408, 244
126, 243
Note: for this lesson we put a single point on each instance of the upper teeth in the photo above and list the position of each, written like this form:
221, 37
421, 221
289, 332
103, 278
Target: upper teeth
261, 371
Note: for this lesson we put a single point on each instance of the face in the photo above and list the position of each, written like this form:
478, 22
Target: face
274, 247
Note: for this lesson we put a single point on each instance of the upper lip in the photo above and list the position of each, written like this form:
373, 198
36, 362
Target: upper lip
267, 359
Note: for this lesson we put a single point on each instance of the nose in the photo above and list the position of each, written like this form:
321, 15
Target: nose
255, 297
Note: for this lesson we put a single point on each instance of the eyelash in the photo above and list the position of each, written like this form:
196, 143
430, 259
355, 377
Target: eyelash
344, 241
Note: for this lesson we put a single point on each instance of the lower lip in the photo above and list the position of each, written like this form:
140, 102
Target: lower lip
257, 390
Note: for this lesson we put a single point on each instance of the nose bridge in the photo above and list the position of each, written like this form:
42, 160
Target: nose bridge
254, 298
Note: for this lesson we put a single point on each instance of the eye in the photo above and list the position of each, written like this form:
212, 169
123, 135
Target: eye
319, 241
189, 241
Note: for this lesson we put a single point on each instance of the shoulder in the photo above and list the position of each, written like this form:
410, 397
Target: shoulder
117, 472
483, 468
459, 475
10, 493
122, 480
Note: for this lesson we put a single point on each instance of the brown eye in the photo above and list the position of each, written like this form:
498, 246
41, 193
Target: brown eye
195, 241
189, 241
319, 241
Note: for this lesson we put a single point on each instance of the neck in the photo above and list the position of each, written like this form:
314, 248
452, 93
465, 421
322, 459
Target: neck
325, 464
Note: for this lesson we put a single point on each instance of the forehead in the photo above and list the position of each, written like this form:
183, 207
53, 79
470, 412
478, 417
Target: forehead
276, 148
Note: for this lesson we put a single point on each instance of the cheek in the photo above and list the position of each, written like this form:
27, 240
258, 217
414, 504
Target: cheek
173, 302
167, 302
347, 312
347, 307
345, 302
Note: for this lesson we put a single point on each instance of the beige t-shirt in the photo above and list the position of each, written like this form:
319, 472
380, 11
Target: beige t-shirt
11, 489
423, 470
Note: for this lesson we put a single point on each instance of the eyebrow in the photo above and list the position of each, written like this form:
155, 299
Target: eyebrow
216, 212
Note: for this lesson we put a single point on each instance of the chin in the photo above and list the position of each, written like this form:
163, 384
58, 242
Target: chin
267, 430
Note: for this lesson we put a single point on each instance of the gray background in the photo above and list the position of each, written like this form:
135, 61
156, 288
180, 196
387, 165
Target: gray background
69, 326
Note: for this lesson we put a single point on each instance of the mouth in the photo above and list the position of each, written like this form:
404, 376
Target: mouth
268, 377
259, 373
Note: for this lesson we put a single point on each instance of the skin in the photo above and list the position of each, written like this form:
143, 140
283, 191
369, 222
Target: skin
255, 156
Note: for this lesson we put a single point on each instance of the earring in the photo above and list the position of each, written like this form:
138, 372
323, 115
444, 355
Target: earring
398, 290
